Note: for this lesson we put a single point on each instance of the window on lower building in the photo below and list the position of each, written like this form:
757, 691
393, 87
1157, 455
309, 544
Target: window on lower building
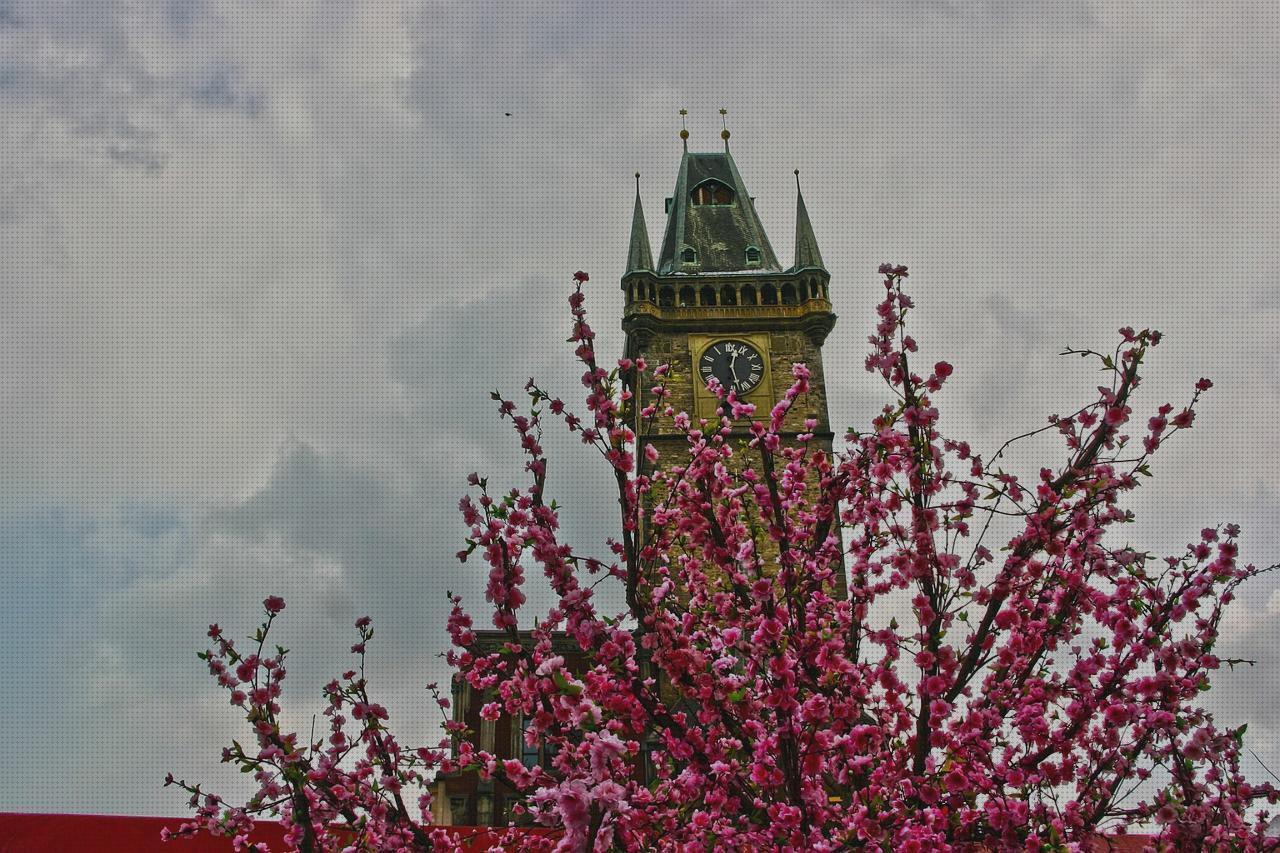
536, 754
530, 754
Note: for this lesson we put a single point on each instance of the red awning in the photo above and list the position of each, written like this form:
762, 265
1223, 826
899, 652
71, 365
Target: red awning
55, 833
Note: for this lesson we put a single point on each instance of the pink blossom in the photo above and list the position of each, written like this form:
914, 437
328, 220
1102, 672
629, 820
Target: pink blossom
731, 667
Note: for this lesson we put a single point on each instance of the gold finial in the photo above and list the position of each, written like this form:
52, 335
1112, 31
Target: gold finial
684, 131
724, 128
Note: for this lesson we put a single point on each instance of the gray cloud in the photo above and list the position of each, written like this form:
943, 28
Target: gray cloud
263, 263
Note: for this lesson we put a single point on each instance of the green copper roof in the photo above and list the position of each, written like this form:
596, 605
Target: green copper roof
807, 254
639, 255
719, 232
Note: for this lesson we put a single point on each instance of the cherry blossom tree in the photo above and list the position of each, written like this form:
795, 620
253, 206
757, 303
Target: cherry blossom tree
1038, 691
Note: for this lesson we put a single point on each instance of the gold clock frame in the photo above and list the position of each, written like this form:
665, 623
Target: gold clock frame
704, 402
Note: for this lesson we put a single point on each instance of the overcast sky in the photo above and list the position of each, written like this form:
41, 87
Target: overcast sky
261, 263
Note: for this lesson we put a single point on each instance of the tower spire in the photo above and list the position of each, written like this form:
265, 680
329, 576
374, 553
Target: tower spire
807, 254
639, 254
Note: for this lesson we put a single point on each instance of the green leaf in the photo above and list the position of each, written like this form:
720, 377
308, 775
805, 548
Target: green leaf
738, 695
565, 686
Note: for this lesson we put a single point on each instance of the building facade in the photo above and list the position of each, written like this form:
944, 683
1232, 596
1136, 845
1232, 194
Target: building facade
718, 305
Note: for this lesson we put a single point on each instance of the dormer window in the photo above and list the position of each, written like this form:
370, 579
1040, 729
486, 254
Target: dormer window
753, 256
711, 192
688, 255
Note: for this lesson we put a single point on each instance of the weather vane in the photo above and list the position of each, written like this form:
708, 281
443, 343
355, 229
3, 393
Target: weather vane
684, 130
724, 128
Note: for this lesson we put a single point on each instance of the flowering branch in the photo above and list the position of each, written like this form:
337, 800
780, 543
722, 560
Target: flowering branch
753, 693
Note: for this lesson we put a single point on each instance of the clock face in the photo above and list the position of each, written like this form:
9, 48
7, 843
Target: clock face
737, 364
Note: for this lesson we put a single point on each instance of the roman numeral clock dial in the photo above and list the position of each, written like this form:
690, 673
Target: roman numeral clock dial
737, 365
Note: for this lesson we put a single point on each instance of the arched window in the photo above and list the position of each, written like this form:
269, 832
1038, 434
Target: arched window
688, 255
749, 295
708, 295
813, 289
686, 297
768, 296
666, 297
788, 294
652, 296
711, 192
753, 256
728, 296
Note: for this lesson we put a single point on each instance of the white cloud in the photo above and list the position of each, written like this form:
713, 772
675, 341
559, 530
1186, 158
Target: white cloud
264, 261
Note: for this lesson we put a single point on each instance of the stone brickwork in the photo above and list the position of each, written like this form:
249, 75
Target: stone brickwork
695, 298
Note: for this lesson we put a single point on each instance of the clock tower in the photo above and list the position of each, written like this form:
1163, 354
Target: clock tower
718, 303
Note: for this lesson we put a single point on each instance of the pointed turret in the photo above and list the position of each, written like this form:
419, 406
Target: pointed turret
712, 224
807, 254
639, 254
